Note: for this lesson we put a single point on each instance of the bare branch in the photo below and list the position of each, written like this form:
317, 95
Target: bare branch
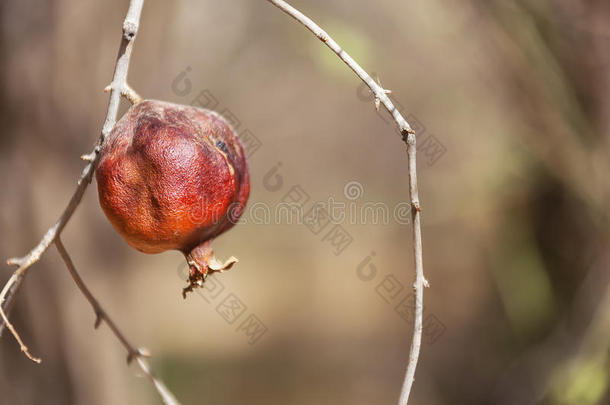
119, 81
381, 96
10, 326
101, 316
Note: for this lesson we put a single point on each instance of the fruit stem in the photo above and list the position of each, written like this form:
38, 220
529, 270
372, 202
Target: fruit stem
202, 263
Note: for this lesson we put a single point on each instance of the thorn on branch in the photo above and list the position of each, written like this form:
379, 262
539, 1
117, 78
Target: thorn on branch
415, 206
139, 352
144, 352
90, 157
99, 317
127, 92
16, 261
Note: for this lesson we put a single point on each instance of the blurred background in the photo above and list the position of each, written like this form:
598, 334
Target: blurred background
511, 102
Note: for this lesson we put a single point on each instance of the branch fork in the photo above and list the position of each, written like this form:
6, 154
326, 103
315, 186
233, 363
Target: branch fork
16, 261
377, 98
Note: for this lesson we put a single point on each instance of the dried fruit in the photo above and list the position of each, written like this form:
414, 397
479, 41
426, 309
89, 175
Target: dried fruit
174, 177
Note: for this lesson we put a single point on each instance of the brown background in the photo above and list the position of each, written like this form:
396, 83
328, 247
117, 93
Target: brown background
516, 94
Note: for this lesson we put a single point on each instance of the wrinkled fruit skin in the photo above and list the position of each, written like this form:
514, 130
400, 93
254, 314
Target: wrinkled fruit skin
173, 177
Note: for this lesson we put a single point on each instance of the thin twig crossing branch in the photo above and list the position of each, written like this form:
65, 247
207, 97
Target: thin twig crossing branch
408, 135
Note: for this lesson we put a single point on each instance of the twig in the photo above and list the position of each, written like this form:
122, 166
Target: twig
102, 316
10, 326
127, 92
408, 135
119, 82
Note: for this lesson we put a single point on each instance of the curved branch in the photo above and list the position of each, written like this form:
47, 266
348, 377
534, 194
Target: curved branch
408, 136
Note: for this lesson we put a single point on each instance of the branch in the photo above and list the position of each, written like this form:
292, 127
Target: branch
101, 316
408, 135
118, 86
10, 326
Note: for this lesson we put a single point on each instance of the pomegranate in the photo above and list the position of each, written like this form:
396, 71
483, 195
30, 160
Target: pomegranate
174, 177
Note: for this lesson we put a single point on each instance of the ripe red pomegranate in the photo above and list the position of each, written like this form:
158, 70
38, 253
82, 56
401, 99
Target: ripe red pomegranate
174, 177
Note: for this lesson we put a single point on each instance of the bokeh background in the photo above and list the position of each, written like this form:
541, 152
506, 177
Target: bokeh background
511, 99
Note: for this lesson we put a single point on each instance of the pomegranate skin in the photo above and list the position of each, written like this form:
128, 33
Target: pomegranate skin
173, 177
